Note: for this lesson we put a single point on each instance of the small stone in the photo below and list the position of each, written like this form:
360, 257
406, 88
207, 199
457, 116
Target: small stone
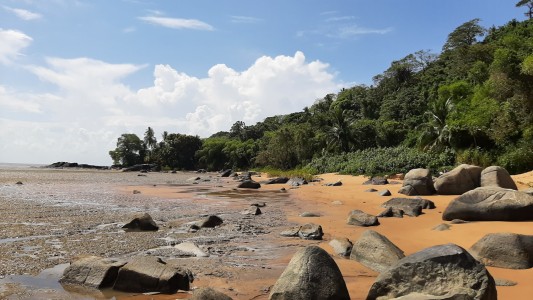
336, 202
136, 192
292, 232
371, 190
384, 193
311, 232
309, 215
19, 183
459, 221
441, 227
505, 282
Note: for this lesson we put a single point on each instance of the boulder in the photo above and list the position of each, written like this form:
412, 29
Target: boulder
505, 250
191, 249
375, 251
384, 193
337, 183
151, 274
391, 212
141, 222
249, 184
411, 207
376, 181
278, 180
210, 222
296, 181
291, 232
371, 190
417, 182
490, 204
311, 231
92, 271
341, 246
439, 272
226, 173
495, 176
311, 274
461, 179
207, 293
360, 218
253, 211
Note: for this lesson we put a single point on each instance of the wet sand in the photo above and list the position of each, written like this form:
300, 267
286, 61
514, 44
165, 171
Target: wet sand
247, 253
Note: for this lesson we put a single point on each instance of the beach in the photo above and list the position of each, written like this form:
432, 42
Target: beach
56, 215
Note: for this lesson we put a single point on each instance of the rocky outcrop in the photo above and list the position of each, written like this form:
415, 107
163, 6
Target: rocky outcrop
92, 271
461, 179
505, 250
141, 222
409, 206
495, 176
341, 246
440, 272
207, 293
311, 274
490, 204
151, 274
63, 164
140, 167
375, 251
418, 182
360, 218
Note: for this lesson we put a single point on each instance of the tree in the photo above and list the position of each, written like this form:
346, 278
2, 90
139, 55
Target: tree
465, 35
529, 4
436, 134
129, 151
150, 143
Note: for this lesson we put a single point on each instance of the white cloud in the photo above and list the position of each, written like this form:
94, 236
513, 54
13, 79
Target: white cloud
177, 23
11, 43
338, 19
91, 107
23, 14
245, 19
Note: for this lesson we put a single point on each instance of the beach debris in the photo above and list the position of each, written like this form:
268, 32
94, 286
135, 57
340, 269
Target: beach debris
360, 218
311, 274
207, 293
253, 210
296, 181
277, 180
442, 227
496, 176
418, 182
461, 179
371, 190
341, 246
310, 231
191, 249
410, 206
504, 250
92, 271
376, 181
308, 214
375, 251
384, 193
141, 222
490, 204
249, 184
152, 274
391, 212
443, 271
210, 222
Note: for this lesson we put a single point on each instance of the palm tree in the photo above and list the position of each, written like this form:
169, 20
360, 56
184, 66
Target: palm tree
436, 134
339, 134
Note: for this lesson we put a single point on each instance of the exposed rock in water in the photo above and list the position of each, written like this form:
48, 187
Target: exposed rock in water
249, 184
310, 231
375, 251
446, 271
151, 274
141, 222
460, 180
92, 271
341, 246
418, 182
360, 218
376, 181
495, 176
311, 274
207, 293
505, 250
490, 204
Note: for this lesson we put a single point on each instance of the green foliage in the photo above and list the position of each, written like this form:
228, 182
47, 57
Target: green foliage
464, 35
517, 159
306, 173
527, 66
476, 156
129, 151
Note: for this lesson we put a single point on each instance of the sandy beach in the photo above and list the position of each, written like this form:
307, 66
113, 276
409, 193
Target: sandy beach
247, 254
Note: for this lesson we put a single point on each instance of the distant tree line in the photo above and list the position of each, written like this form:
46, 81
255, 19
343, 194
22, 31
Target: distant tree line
472, 102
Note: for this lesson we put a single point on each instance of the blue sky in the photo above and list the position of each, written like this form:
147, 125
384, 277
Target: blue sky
75, 74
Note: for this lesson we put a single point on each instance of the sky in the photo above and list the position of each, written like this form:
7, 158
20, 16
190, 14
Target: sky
76, 74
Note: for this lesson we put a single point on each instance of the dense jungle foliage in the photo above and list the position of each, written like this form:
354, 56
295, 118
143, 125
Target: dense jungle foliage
471, 103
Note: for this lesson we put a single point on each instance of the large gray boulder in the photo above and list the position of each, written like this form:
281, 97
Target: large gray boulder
249, 184
311, 274
360, 218
207, 293
418, 182
461, 179
141, 222
92, 271
410, 206
490, 204
495, 176
440, 272
152, 274
375, 251
311, 231
505, 250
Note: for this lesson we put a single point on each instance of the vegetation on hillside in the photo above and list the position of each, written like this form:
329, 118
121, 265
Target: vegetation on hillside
471, 103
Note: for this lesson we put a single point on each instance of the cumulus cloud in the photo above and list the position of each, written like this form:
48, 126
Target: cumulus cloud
11, 43
177, 23
91, 106
23, 14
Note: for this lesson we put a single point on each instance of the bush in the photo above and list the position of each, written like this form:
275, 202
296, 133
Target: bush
477, 157
517, 160
382, 161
